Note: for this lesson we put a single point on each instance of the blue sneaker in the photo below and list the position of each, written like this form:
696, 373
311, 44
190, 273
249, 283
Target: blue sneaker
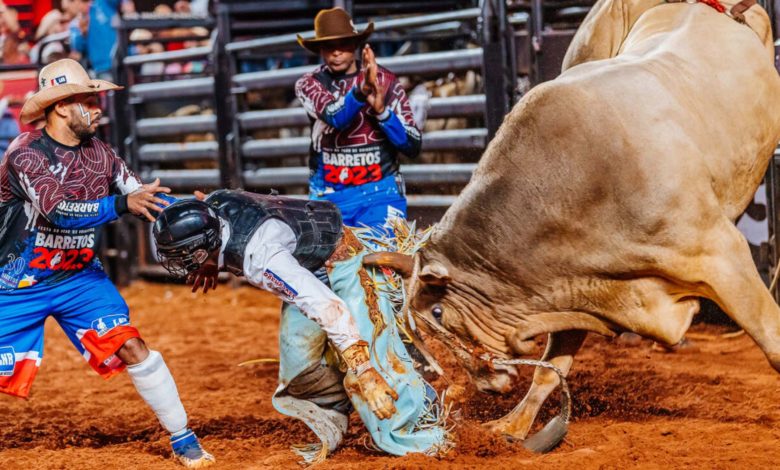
187, 450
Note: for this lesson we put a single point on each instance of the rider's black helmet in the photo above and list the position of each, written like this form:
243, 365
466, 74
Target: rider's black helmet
185, 233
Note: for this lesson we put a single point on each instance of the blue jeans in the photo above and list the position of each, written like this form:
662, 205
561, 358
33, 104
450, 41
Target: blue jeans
369, 204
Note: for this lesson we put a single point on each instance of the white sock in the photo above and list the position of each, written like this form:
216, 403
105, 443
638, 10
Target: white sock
155, 384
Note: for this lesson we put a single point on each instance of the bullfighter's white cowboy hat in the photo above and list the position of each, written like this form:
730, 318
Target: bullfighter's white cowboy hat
58, 81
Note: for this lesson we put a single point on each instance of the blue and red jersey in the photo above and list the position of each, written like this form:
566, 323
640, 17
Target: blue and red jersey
351, 144
54, 200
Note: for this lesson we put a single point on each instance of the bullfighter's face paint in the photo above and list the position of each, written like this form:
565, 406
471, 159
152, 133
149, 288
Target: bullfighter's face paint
83, 118
86, 115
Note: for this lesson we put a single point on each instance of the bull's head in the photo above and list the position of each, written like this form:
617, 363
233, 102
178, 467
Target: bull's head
438, 308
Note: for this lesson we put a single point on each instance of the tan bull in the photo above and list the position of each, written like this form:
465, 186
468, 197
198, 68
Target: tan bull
606, 201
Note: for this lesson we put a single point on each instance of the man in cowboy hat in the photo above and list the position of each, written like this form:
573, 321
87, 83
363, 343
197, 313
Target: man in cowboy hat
361, 120
58, 186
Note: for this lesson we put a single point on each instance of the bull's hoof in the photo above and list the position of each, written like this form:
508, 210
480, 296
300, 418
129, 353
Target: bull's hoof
629, 339
684, 346
500, 426
548, 438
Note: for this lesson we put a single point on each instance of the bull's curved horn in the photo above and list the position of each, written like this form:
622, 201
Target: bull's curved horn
399, 262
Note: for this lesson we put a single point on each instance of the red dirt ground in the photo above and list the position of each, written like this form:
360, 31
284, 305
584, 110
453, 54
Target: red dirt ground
633, 407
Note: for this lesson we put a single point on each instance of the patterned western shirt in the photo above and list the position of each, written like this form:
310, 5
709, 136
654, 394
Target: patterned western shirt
54, 200
352, 145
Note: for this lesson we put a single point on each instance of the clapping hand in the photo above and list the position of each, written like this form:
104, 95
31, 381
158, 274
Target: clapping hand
374, 91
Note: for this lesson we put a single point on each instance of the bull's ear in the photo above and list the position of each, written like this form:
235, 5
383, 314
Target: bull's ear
400, 263
435, 274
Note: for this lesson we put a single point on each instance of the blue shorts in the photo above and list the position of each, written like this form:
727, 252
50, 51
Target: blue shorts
370, 204
88, 308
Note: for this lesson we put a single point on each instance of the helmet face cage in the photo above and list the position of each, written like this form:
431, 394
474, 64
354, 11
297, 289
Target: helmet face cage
188, 255
182, 264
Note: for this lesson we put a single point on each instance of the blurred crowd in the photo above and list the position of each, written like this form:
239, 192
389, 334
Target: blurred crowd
144, 41
35, 33
85, 30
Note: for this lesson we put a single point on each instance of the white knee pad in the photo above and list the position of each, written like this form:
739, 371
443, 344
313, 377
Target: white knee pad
155, 384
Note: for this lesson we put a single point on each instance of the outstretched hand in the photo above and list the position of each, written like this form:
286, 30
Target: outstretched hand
205, 278
140, 201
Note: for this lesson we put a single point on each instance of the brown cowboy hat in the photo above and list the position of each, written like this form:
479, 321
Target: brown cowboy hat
334, 24
58, 81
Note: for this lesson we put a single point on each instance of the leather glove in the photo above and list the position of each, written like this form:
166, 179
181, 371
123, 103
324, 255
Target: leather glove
364, 380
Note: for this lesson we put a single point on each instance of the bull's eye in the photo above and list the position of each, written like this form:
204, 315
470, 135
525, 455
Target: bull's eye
436, 311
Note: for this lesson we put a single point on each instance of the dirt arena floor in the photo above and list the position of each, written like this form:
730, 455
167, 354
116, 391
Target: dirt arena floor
634, 407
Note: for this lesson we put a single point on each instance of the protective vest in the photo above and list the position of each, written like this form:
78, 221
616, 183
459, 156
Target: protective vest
316, 224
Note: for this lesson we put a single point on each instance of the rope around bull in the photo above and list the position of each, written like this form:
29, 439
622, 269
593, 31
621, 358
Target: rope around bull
565, 413
555, 430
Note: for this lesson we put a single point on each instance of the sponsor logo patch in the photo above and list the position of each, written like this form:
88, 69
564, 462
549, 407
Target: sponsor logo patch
65, 242
7, 361
278, 285
27, 281
105, 324
351, 159
354, 168
90, 208
63, 251
61, 260
61, 80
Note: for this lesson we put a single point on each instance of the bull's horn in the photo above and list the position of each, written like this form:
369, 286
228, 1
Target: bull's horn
435, 273
399, 262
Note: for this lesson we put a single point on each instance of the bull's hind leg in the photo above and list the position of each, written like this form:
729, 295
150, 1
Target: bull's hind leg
733, 282
561, 348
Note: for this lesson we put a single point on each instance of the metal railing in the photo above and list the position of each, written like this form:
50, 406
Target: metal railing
285, 177
427, 64
174, 89
409, 22
154, 127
